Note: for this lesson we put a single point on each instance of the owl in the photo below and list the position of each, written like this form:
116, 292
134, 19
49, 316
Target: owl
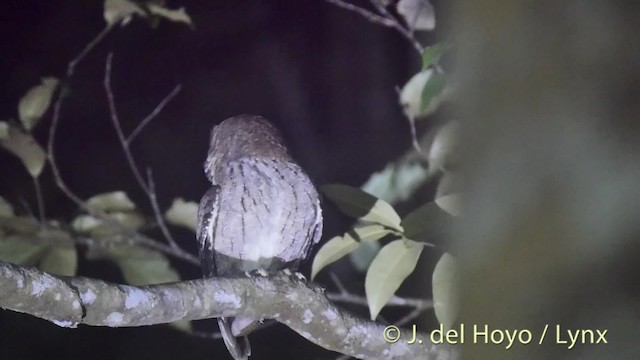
262, 211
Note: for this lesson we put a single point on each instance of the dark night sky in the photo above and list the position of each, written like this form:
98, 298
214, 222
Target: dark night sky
326, 77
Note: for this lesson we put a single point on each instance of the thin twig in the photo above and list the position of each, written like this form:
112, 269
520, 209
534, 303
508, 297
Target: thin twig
73, 63
412, 127
347, 297
384, 19
58, 104
410, 316
414, 137
40, 201
118, 127
338, 283
407, 33
344, 296
51, 154
133, 236
147, 187
412, 25
393, 301
26, 207
419, 305
206, 335
153, 114
215, 335
153, 199
370, 16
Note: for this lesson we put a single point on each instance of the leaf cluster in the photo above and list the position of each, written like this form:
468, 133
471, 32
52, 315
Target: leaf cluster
397, 259
109, 221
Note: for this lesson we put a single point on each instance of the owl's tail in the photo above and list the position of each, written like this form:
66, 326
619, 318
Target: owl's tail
238, 347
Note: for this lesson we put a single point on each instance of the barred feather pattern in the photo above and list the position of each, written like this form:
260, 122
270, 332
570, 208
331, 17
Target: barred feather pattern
262, 212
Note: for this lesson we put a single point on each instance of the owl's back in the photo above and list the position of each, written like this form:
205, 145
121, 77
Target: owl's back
269, 212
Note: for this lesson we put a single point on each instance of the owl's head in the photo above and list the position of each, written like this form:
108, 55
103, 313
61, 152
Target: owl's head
243, 136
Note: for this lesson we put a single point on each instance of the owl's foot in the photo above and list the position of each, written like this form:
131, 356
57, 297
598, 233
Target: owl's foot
300, 277
296, 276
256, 273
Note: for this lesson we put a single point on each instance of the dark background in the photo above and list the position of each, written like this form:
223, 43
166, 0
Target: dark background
324, 76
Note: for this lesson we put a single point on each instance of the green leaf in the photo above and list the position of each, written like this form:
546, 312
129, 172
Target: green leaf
178, 15
411, 94
4, 130
444, 149
368, 236
139, 266
450, 203
87, 224
418, 14
147, 271
50, 248
396, 182
152, 268
394, 263
331, 251
121, 11
60, 260
36, 102
362, 257
448, 184
21, 250
26, 148
445, 290
182, 325
426, 223
112, 201
432, 53
60, 257
369, 232
357, 203
183, 213
21, 225
6, 210
128, 219
432, 89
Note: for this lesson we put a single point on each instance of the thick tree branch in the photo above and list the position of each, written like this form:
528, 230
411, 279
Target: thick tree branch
71, 301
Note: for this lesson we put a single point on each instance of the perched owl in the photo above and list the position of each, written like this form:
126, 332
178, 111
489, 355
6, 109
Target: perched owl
262, 211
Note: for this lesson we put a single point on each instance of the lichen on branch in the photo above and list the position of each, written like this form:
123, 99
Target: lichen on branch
70, 301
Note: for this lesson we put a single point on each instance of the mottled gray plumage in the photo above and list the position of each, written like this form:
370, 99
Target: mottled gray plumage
262, 211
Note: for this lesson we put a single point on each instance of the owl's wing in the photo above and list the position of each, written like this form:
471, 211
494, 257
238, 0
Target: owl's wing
207, 221
317, 229
239, 348
314, 235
